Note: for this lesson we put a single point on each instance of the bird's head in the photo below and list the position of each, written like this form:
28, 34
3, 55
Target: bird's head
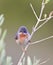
22, 33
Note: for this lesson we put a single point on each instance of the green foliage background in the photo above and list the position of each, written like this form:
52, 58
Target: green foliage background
17, 13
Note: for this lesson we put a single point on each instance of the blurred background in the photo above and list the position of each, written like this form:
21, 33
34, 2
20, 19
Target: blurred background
18, 13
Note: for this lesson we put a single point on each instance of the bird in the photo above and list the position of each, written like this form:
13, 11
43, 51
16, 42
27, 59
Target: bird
22, 37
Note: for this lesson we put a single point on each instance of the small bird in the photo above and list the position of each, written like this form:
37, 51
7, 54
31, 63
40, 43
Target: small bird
22, 36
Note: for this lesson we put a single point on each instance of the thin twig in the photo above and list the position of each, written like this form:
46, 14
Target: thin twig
22, 55
42, 8
43, 19
44, 62
33, 11
41, 40
46, 20
43, 23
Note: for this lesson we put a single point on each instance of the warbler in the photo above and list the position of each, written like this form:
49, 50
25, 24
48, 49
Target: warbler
22, 36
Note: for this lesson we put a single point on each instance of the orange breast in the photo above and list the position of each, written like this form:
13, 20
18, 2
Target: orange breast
22, 35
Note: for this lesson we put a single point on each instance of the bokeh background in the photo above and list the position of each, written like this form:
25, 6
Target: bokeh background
18, 13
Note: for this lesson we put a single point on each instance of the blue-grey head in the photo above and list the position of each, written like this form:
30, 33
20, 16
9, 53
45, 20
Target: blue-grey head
23, 29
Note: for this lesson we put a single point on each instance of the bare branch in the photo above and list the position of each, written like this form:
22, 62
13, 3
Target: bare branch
36, 28
44, 62
43, 19
31, 44
22, 55
41, 40
43, 23
42, 8
33, 11
46, 18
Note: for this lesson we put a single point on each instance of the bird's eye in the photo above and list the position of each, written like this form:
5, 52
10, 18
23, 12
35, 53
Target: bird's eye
21, 30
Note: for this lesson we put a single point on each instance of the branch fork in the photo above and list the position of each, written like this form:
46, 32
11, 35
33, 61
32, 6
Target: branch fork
36, 27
